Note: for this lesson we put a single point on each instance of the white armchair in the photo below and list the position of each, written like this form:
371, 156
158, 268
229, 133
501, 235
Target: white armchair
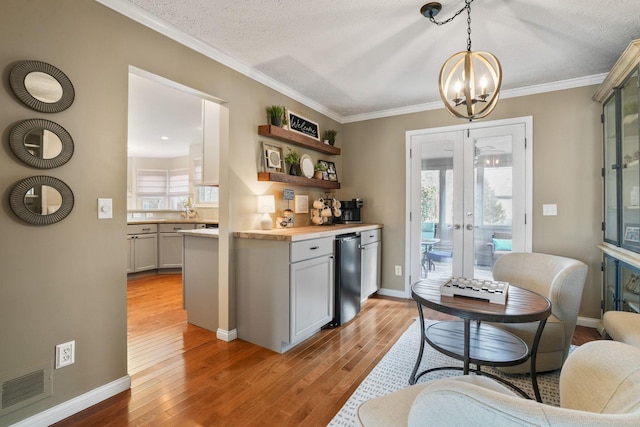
622, 326
599, 385
561, 280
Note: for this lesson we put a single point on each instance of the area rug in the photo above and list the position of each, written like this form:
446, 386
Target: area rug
393, 371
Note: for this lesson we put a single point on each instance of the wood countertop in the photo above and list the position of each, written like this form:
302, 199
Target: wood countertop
170, 221
213, 233
305, 233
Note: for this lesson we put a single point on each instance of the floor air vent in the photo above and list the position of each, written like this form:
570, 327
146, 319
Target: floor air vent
23, 388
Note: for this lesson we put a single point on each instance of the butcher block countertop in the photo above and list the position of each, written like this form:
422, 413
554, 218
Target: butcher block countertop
305, 233
137, 221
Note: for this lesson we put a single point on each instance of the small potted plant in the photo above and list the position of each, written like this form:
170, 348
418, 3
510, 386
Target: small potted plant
293, 159
330, 136
319, 168
276, 115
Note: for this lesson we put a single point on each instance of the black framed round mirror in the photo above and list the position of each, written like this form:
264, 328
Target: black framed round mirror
41, 143
41, 200
41, 86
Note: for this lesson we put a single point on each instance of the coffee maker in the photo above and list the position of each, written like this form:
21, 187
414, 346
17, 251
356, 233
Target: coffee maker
350, 212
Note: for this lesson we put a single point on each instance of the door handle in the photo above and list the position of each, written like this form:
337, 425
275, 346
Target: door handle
456, 226
470, 227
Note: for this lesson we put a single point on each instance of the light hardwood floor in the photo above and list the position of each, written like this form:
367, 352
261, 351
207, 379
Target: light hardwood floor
183, 376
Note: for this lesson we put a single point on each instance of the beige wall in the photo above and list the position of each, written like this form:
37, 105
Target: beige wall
567, 147
78, 292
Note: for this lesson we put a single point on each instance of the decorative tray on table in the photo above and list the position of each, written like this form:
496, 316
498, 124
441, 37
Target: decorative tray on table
494, 292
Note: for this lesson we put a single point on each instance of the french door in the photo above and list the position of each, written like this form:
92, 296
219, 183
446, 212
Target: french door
469, 197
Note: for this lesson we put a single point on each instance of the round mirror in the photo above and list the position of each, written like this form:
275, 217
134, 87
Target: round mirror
41, 86
41, 200
41, 143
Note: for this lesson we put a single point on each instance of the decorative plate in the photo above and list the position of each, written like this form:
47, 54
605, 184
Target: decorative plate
306, 166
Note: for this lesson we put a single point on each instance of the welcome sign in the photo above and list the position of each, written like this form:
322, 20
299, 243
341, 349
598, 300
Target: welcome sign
304, 126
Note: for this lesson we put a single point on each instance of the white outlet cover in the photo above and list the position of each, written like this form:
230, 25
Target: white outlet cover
65, 354
550, 210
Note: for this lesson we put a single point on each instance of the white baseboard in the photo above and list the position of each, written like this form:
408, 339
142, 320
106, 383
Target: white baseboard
588, 322
224, 335
391, 293
77, 404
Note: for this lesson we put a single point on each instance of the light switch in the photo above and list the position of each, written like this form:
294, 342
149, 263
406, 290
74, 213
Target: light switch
105, 209
550, 210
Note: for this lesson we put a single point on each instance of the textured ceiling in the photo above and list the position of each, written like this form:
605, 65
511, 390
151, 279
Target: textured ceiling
362, 57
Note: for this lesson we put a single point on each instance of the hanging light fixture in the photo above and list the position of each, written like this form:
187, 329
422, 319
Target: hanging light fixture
469, 82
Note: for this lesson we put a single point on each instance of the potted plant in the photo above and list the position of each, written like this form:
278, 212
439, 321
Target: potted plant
293, 159
276, 114
330, 136
319, 168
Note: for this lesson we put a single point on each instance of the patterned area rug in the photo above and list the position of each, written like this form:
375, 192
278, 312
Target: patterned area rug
393, 371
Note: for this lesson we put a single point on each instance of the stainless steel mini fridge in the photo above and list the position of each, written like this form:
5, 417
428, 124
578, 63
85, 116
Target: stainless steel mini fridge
347, 278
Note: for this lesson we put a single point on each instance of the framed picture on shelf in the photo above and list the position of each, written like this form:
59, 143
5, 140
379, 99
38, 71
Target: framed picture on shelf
273, 159
632, 233
332, 175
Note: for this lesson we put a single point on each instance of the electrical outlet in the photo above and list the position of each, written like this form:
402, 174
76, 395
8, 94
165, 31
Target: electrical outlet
65, 354
398, 270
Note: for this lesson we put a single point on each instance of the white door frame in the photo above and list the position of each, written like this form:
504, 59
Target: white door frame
528, 125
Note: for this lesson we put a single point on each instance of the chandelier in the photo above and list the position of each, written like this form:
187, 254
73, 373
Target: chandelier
469, 82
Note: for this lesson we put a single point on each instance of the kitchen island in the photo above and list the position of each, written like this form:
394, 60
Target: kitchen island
285, 282
200, 277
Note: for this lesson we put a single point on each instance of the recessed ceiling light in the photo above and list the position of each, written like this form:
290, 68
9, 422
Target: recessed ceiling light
164, 137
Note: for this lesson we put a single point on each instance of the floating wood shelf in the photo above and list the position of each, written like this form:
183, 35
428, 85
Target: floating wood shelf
285, 135
297, 180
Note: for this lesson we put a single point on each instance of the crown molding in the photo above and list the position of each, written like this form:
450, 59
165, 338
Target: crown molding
143, 17
505, 94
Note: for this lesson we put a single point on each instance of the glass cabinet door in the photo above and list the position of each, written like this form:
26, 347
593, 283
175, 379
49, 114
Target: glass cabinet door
629, 288
610, 278
610, 172
630, 151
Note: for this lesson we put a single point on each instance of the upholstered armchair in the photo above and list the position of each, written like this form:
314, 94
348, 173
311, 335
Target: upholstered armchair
500, 244
622, 326
561, 280
599, 386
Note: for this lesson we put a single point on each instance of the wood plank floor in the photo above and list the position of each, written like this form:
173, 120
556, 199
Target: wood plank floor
183, 376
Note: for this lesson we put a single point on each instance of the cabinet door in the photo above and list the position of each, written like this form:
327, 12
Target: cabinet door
146, 252
371, 257
629, 288
170, 250
130, 260
311, 287
630, 145
610, 277
611, 166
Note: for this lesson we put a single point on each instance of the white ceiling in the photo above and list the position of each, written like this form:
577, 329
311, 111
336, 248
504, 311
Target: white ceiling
358, 59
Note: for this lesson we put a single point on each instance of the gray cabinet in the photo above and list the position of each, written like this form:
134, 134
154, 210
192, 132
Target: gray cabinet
170, 244
371, 245
620, 96
200, 280
284, 290
142, 245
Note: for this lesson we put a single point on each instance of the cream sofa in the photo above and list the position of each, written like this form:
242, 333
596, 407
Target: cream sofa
599, 386
561, 280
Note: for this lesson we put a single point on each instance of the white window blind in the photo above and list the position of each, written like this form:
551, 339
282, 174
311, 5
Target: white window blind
152, 182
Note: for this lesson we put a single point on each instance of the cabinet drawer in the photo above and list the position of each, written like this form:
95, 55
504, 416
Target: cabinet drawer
370, 236
142, 228
172, 228
308, 249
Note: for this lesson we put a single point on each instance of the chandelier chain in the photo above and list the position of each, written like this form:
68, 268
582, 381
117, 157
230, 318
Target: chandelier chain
466, 6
